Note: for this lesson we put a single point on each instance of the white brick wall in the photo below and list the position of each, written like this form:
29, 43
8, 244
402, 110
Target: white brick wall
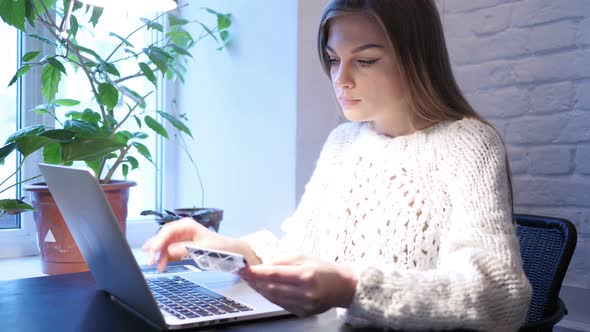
525, 65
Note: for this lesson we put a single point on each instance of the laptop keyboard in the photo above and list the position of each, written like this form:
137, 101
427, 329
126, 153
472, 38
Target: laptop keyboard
185, 299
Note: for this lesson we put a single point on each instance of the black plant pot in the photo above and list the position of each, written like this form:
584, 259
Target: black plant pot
210, 220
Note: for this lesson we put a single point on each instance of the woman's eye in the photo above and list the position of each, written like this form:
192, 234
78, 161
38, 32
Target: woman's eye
332, 61
367, 62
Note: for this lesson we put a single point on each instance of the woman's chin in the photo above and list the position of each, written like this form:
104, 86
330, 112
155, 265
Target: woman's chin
354, 115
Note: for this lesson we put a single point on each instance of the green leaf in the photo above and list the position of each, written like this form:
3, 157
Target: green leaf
134, 163
30, 13
123, 40
31, 130
224, 36
152, 25
110, 120
20, 72
50, 78
183, 38
109, 68
44, 39
125, 170
139, 135
74, 115
88, 149
74, 26
81, 128
122, 138
155, 126
223, 21
148, 72
138, 121
180, 50
41, 111
142, 103
52, 154
91, 52
44, 109
96, 14
77, 5
131, 52
67, 102
108, 95
159, 57
57, 64
91, 116
209, 32
30, 56
58, 135
13, 13
143, 150
5, 151
14, 206
176, 123
175, 20
29, 144
95, 166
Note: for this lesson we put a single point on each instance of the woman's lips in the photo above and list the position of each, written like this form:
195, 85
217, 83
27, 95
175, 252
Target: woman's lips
349, 102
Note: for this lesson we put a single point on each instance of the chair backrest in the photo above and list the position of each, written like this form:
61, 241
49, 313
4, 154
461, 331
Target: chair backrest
546, 246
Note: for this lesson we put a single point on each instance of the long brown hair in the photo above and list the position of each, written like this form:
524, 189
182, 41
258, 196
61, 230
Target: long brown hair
415, 30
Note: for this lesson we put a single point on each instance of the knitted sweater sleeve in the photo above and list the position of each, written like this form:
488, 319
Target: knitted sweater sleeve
479, 283
300, 230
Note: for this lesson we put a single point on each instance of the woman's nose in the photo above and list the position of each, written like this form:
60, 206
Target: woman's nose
343, 78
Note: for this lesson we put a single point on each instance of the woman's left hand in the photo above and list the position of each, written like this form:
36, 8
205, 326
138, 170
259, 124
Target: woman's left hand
302, 285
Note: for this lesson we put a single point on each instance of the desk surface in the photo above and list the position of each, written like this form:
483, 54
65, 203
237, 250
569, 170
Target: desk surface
71, 302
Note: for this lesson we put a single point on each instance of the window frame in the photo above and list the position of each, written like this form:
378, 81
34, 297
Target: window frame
22, 241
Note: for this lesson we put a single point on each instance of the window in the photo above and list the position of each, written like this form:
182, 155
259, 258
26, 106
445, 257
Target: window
143, 196
19, 238
8, 116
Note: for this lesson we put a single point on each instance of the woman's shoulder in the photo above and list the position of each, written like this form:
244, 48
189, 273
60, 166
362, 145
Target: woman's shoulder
473, 133
344, 133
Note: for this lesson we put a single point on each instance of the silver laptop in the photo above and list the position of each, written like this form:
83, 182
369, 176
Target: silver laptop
172, 301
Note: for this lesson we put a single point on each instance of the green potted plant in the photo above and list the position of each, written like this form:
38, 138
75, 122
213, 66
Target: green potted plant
106, 133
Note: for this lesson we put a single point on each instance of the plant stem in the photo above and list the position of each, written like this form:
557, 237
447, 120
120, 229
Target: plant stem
190, 157
23, 181
76, 52
101, 168
131, 111
8, 178
134, 31
116, 164
20, 165
66, 17
140, 74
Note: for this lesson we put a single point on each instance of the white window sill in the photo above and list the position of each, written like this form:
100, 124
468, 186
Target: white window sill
30, 266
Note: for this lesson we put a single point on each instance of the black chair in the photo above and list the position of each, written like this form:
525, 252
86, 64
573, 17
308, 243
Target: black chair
546, 246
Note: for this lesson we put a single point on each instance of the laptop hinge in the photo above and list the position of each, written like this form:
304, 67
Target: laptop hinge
145, 319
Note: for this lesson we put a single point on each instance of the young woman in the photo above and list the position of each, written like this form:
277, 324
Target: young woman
407, 220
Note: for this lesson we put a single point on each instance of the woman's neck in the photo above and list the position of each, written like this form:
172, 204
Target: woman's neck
400, 125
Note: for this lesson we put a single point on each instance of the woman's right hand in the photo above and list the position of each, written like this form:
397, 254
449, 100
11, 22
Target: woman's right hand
169, 243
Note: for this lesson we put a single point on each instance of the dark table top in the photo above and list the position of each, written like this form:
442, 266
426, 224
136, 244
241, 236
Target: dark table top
71, 302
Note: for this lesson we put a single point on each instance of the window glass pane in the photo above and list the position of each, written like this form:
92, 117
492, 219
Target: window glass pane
8, 110
76, 86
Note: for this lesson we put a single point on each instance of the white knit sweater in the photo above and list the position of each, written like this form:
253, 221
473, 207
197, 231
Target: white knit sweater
424, 219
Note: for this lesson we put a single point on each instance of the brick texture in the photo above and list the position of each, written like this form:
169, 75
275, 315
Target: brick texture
525, 66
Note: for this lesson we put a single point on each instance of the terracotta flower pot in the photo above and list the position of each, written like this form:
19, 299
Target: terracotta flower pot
59, 252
